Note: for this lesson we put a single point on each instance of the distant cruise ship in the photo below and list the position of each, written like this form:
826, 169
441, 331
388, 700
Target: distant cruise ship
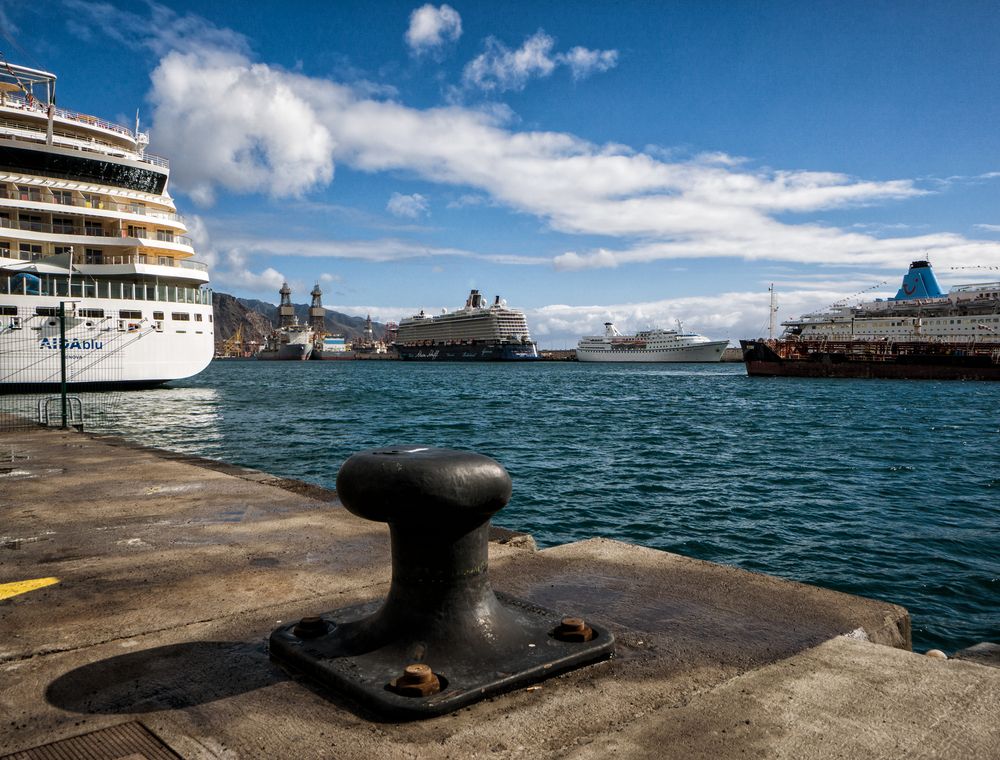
922, 332
476, 332
86, 221
649, 346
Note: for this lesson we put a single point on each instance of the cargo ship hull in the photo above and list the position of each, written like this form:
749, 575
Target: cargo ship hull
497, 352
869, 359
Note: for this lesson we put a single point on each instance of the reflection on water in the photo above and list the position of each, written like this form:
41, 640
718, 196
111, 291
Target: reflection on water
187, 419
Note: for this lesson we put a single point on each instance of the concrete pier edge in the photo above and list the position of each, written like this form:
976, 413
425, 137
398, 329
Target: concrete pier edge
171, 570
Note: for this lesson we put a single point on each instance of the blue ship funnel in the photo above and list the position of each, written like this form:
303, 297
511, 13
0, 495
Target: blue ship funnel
919, 282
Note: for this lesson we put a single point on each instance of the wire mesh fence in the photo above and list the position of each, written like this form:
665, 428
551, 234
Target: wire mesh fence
60, 365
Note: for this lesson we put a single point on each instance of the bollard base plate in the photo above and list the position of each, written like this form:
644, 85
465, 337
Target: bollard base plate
466, 675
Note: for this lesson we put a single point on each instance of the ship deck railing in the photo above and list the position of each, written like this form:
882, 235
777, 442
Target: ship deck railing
34, 133
114, 260
12, 100
86, 287
92, 230
34, 194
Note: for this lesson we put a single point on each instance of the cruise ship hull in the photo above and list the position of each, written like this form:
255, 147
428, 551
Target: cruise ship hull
701, 352
101, 353
505, 352
868, 359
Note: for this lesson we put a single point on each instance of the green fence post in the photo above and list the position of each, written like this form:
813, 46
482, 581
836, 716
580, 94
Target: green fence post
62, 359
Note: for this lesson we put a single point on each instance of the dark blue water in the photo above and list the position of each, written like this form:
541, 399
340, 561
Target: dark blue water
888, 489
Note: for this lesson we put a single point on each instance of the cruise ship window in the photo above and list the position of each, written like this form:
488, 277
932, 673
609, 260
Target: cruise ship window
167, 236
47, 311
31, 252
129, 314
180, 316
197, 317
8, 311
64, 197
30, 194
91, 200
93, 256
62, 224
30, 222
134, 231
158, 315
92, 313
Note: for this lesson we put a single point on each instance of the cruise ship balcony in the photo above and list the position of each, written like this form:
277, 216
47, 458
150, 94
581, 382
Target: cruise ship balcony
50, 197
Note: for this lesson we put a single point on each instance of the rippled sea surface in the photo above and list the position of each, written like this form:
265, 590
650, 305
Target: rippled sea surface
888, 489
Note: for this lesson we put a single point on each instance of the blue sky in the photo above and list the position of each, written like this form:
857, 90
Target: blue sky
637, 161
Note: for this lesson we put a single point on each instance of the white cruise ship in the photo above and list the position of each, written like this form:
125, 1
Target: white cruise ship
649, 346
920, 311
477, 332
87, 225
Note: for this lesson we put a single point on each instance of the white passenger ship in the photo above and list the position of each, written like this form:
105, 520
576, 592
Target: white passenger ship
920, 311
86, 221
649, 346
477, 332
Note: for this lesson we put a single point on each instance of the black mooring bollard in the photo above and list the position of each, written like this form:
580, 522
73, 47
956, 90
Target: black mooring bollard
441, 638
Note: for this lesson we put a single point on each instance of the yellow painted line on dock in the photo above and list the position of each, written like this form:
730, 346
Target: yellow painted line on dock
7, 590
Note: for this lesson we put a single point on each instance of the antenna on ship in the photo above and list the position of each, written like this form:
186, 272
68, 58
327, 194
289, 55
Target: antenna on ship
773, 310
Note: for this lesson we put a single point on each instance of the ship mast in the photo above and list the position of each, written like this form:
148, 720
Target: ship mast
773, 310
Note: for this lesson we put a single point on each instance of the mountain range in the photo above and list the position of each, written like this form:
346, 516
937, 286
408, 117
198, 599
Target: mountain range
257, 319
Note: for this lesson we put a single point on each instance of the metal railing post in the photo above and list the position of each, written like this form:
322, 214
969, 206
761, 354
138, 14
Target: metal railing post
62, 360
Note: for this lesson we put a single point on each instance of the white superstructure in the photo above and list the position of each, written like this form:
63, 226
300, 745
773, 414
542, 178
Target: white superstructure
86, 221
649, 346
920, 311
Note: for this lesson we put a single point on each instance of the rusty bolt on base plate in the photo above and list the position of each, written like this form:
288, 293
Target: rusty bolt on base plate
418, 680
573, 629
310, 627
440, 607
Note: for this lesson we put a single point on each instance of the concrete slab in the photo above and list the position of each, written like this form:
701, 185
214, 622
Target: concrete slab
172, 574
843, 699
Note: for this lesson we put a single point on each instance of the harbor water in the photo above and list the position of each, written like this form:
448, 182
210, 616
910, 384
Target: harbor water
887, 489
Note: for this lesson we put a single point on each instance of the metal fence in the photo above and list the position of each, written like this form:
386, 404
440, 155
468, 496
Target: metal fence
60, 369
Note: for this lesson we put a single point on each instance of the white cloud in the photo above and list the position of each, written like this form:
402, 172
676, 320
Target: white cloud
988, 227
383, 249
732, 315
228, 264
502, 69
260, 133
162, 31
250, 127
430, 28
327, 277
409, 206
583, 62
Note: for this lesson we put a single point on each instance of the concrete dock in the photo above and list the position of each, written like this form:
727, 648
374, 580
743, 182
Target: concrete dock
138, 589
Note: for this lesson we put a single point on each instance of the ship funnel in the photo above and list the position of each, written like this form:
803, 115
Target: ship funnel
919, 282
